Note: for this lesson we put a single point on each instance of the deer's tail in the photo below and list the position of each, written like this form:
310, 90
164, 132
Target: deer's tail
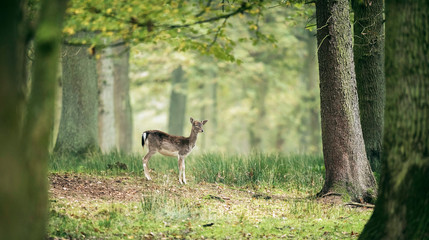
144, 137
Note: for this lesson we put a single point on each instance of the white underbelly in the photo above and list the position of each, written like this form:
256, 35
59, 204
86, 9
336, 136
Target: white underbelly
169, 153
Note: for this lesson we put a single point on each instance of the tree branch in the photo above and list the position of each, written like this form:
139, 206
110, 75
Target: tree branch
150, 25
204, 10
217, 33
244, 7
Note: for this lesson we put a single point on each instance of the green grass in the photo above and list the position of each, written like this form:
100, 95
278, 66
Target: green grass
220, 201
295, 171
305, 220
299, 172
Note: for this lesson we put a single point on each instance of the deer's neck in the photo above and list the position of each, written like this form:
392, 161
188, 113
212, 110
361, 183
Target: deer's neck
193, 137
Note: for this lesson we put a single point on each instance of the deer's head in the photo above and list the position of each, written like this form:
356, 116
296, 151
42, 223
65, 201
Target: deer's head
197, 126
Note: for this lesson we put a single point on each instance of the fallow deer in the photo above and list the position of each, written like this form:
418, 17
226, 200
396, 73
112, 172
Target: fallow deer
169, 145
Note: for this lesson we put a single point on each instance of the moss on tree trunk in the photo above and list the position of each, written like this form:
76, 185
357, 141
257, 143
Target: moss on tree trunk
402, 210
369, 65
347, 168
78, 131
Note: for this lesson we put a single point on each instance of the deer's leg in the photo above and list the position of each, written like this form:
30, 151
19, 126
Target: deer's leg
145, 162
183, 170
180, 161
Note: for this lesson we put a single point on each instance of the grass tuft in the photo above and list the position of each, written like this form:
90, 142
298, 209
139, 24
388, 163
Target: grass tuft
300, 172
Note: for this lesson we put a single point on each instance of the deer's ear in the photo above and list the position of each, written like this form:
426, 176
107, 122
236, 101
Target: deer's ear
192, 120
204, 122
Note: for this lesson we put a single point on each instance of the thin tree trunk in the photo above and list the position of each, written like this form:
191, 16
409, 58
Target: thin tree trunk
177, 111
203, 115
313, 83
78, 132
208, 98
369, 65
106, 105
213, 113
347, 168
123, 112
280, 139
401, 211
23, 186
311, 136
256, 128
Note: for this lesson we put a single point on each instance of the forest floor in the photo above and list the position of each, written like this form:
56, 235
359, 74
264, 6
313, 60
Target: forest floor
88, 206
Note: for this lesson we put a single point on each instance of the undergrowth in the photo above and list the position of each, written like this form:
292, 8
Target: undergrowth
300, 172
252, 196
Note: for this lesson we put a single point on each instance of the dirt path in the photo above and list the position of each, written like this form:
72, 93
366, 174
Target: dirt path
131, 188
79, 186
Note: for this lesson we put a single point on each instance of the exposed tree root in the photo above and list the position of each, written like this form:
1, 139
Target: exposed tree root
356, 204
330, 194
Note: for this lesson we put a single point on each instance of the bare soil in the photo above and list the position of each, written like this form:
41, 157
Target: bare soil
79, 186
132, 188
73, 186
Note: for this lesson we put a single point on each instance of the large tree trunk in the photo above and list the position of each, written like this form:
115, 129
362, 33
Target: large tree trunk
402, 211
78, 132
13, 49
347, 168
106, 105
177, 111
123, 112
14, 183
23, 157
369, 65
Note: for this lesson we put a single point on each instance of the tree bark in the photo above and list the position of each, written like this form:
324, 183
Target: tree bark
23, 157
78, 131
401, 211
177, 111
123, 111
12, 70
369, 66
106, 105
14, 185
347, 168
